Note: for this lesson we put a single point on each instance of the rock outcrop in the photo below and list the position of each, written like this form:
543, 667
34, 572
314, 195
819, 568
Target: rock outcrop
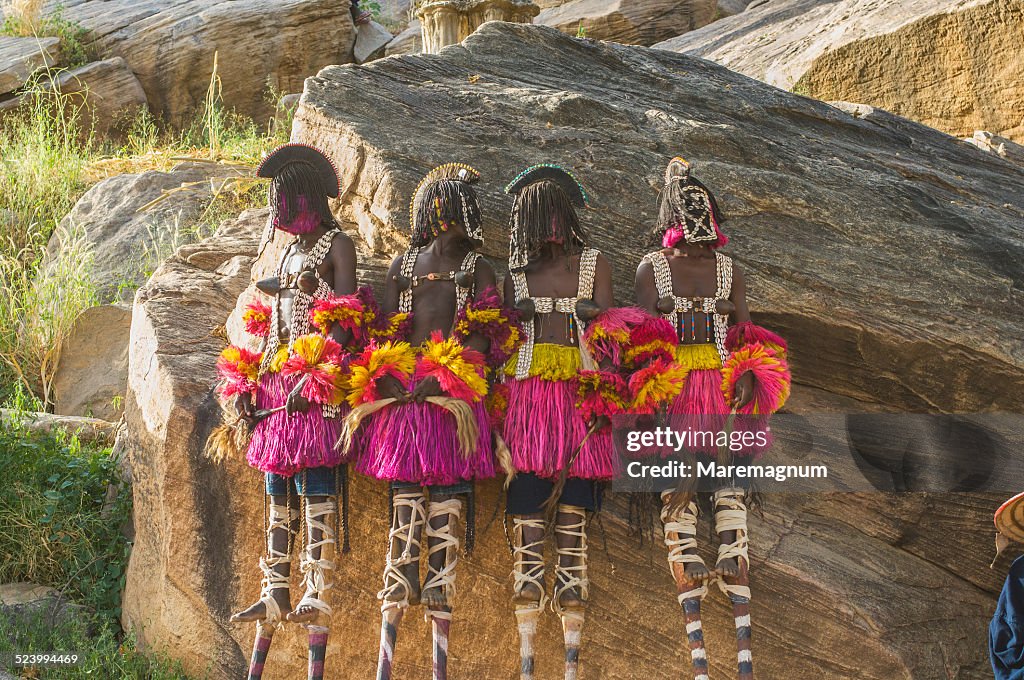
632, 22
371, 39
105, 94
895, 278
129, 233
409, 41
170, 46
21, 57
955, 66
92, 376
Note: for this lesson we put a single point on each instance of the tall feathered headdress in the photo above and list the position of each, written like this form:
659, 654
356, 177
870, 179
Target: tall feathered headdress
687, 209
536, 213
446, 193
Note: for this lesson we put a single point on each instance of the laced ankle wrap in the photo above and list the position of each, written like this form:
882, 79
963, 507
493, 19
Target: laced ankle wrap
407, 537
315, 575
279, 517
575, 575
731, 515
529, 560
447, 542
680, 536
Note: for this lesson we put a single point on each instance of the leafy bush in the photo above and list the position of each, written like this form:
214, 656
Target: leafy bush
24, 18
102, 651
63, 508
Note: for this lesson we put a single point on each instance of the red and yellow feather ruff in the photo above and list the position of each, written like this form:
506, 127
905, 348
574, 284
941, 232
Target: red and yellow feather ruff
396, 359
656, 385
238, 369
257, 318
650, 340
319, 360
496, 403
459, 370
600, 393
486, 316
391, 327
771, 377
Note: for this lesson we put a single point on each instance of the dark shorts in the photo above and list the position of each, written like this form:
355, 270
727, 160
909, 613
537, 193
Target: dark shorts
319, 481
527, 493
438, 489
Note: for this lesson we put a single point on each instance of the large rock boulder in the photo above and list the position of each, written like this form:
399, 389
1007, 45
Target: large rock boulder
634, 22
22, 57
887, 54
409, 41
261, 46
848, 229
129, 232
92, 375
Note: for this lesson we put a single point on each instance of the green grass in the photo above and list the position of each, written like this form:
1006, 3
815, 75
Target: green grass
63, 508
75, 48
48, 159
104, 653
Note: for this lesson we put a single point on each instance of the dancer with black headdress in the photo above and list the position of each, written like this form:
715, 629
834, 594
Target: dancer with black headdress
558, 399
290, 394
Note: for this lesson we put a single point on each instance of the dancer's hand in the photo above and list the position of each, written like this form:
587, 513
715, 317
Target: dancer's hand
296, 404
244, 408
390, 387
744, 393
426, 388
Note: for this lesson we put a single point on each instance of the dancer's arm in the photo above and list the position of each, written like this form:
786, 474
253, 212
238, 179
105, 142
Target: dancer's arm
388, 386
645, 289
343, 273
745, 385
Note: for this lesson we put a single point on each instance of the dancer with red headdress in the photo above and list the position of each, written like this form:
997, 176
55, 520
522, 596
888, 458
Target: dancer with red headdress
736, 373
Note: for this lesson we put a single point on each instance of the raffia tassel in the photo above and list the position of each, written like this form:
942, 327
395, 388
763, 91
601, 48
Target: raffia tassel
355, 418
503, 456
465, 422
227, 441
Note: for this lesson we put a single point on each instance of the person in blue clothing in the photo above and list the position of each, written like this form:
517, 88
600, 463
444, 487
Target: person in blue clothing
1006, 631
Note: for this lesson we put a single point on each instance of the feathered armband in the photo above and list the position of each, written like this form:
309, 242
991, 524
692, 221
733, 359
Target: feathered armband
600, 393
459, 370
238, 370
256, 318
771, 376
347, 311
650, 341
487, 317
607, 335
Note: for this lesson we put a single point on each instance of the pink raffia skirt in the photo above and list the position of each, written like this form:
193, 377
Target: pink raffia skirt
543, 430
418, 444
285, 445
701, 407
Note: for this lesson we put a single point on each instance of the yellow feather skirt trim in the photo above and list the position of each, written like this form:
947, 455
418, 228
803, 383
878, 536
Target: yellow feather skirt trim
697, 357
550, 362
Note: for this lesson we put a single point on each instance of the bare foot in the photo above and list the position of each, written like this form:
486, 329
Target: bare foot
569, 599
728, 568
434, 598
258, 611
696, 571
529, 594
412, 575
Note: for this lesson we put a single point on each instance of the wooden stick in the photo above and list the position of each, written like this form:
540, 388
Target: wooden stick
441, 622
526, 618
317, 651
260, 649
391, 617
